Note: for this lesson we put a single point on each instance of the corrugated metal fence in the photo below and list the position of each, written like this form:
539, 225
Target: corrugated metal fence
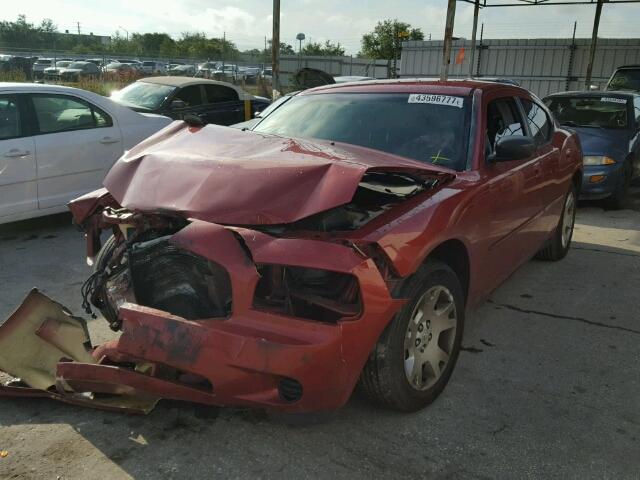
542, 65
336, 66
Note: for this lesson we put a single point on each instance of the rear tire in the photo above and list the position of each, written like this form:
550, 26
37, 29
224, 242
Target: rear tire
560, 243
417, 352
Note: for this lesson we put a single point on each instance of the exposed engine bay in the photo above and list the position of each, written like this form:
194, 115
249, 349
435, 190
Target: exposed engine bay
140, 265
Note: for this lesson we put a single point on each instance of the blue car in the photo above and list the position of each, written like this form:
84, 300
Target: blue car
608, 124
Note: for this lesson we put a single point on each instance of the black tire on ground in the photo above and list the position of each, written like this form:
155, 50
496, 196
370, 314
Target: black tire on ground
383, 379
618, 198
555, 250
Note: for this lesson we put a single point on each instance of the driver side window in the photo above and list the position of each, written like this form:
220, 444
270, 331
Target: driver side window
503, 120
190, 95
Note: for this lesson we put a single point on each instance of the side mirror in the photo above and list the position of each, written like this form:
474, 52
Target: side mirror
513, 148
257, 115
177, 104
594, 87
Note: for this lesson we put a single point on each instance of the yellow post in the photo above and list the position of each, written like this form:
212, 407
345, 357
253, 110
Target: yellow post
247, 110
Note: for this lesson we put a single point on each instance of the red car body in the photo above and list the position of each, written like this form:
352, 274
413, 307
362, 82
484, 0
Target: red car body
484, 221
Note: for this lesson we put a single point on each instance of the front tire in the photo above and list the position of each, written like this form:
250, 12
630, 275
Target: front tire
417, 352
560, 243
618, 198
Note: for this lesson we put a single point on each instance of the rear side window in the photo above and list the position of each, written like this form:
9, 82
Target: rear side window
62, 113
636, 110
220, 93
503, 120
538, 120
9, 117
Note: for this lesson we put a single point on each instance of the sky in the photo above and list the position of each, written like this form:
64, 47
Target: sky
248, 22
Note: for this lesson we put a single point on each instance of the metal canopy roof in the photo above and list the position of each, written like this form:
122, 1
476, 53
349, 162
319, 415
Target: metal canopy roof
478, 4
533, 3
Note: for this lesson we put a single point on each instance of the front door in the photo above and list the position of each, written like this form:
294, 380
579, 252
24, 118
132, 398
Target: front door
76, 145
18, 187
513, 196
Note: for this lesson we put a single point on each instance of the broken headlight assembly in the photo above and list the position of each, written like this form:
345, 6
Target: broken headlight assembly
308, 293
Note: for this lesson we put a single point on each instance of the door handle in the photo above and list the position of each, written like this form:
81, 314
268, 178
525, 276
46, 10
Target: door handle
106, 140
14, 152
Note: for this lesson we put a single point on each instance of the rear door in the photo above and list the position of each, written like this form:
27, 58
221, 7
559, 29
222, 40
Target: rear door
18, 186
223, 105
76, 144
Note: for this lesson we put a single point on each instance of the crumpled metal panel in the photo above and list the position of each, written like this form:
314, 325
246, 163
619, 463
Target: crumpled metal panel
41, 337
224, 175
36, 336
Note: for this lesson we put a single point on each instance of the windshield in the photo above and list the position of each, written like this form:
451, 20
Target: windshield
44, 62
625, 79
148, 64
143, 94
63, 63
597, 112
78, 65
272, 106
424, 127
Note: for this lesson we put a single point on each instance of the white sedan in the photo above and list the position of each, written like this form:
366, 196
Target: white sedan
57, 143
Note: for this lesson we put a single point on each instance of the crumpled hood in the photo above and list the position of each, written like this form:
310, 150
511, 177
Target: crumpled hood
224, 175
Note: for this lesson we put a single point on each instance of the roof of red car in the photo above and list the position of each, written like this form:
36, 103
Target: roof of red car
412, 85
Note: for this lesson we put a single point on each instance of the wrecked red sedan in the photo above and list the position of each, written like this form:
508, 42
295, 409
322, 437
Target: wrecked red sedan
339, 242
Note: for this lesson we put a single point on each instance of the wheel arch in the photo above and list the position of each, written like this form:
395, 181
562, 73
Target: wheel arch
455, 254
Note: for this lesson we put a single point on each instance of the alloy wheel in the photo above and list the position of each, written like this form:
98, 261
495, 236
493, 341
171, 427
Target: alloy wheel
430, 337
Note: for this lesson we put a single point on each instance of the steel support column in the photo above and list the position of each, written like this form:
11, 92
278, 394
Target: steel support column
448, 39
594, 43
476, 10
275, 50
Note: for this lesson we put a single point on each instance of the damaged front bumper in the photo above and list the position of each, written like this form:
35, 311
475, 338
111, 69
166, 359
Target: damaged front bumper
253, 357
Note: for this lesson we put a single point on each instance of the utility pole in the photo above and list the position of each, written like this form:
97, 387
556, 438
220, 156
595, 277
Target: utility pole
78, 23
224, 41
275, 49
594, 43
448, 40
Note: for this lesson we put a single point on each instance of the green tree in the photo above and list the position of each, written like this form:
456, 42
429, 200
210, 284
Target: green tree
384, 42
285, 49
167, 47
328, 49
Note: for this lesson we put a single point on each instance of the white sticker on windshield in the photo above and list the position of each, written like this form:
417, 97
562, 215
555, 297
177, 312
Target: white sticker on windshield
436, 99
613, 100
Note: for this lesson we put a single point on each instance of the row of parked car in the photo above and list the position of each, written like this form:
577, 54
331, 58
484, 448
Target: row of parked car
73, 69
69, 69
